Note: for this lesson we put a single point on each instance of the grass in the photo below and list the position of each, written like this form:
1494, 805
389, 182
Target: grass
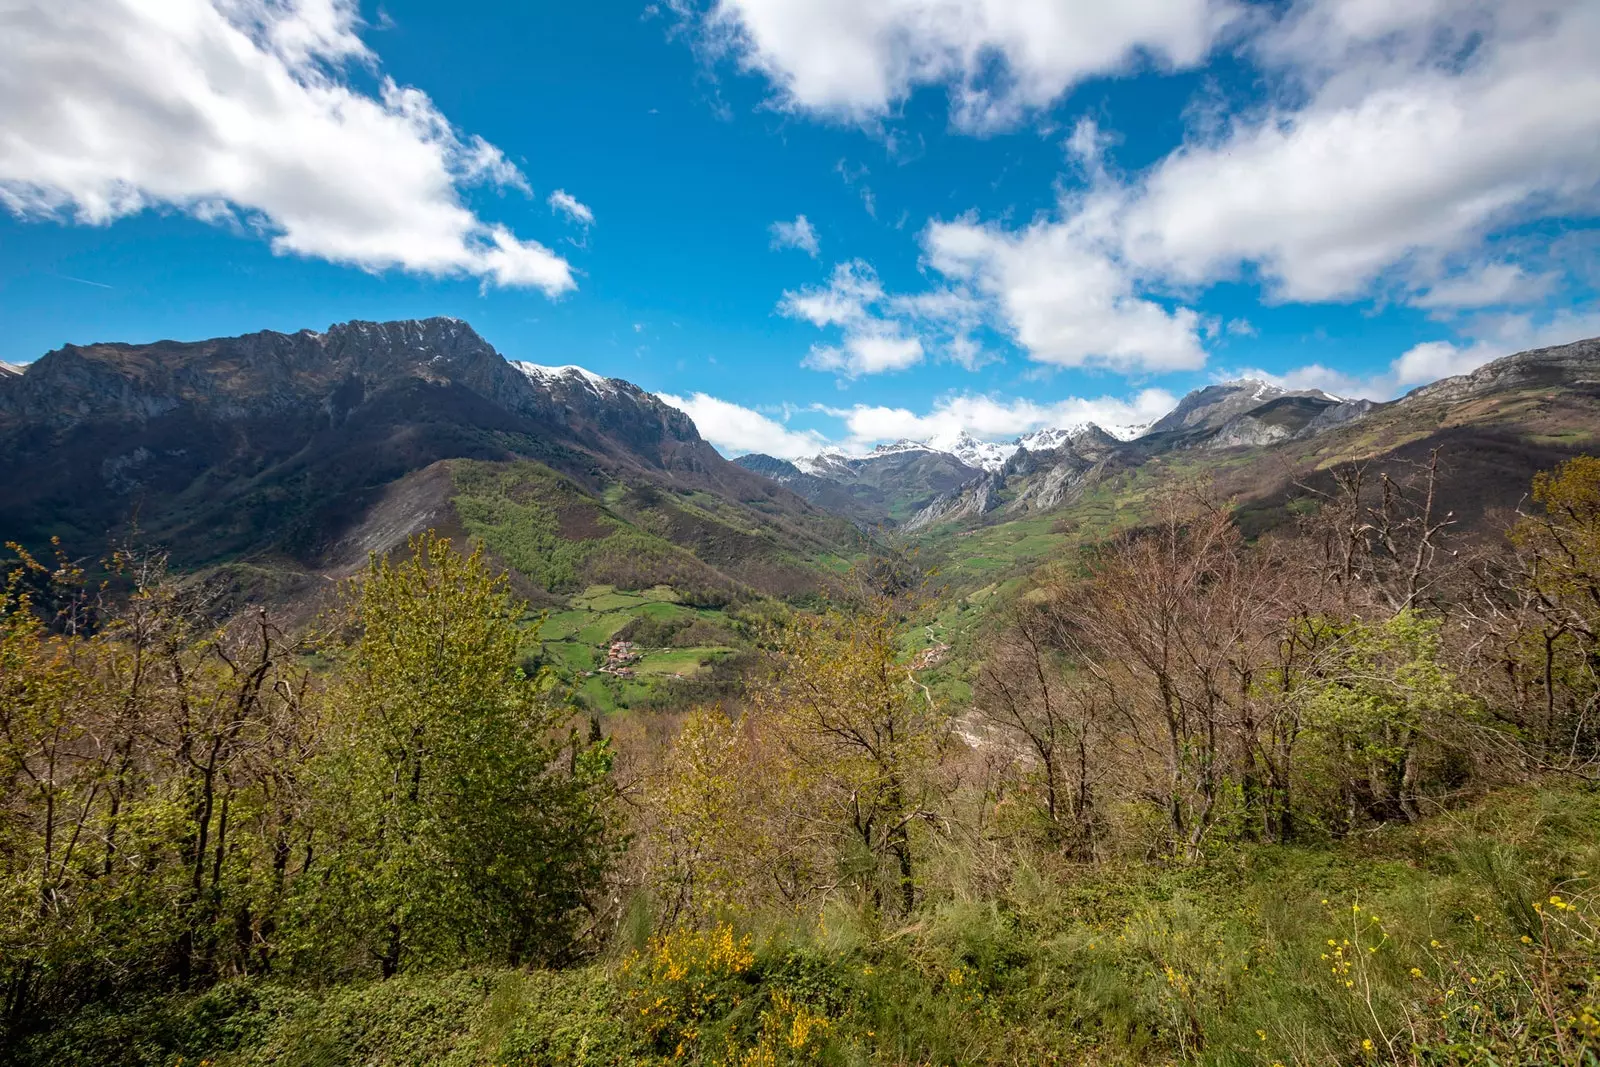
678, 662
1466, 938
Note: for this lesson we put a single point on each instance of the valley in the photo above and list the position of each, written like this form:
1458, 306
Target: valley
272, 463
1008, 730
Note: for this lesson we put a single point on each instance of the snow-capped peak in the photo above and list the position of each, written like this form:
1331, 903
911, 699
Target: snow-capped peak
547, 375
985, 455
903, 445
9, 369
821, 463
1050, 438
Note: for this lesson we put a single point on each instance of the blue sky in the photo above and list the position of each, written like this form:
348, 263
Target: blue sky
821, 222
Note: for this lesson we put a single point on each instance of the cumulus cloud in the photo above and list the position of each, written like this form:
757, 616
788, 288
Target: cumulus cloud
1063, 293
856, 60
797, 234
1419, 128
737, 430
1401, 139
1488, 285
877, 337
236, 111
564, 203
866, 354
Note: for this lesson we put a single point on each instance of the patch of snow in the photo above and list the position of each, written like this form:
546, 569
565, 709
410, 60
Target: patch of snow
821, 463
549, 375
903, 445
1127, 431
985, 455
10, 368
1052, 437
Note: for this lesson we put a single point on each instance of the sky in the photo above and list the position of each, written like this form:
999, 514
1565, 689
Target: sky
821, 223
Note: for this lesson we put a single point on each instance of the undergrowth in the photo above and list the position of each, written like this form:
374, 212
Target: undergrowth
1468, 938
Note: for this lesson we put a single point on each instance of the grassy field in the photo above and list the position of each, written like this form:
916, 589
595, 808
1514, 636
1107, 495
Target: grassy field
574, 641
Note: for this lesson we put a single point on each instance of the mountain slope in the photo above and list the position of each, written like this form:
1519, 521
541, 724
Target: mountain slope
303, 451
1530, 410
888, 485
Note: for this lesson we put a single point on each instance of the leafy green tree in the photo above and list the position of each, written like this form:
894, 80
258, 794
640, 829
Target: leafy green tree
468, 821
1385, 706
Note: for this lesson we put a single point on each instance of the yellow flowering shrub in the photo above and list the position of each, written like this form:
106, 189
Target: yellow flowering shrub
694, 996
682, 979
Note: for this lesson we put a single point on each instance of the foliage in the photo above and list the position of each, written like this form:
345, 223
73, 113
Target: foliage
1321, 797
470, 827
186, 802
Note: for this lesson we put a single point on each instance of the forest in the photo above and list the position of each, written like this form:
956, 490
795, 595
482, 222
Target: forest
1322, 794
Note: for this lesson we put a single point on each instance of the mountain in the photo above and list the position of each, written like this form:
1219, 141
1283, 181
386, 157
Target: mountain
885, 486
896, 482
1495, 427
1051, 472
1213, 406
984, 455
294, 455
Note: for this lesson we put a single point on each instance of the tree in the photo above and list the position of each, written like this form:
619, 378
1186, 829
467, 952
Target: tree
469, 822
148, 759
1542, 614
862, 737
1176, 622
1380, 699
1061, 712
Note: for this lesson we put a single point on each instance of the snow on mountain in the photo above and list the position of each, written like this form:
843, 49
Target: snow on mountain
549, 375
985, 455
823, 463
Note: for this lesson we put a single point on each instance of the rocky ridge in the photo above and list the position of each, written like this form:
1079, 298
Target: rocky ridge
311, 446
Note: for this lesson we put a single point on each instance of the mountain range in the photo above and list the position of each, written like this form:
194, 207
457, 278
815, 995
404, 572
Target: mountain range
290, 457
284, 459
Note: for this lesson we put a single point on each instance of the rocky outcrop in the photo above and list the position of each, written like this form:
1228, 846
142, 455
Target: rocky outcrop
1337, 415
972, 501
1575, 364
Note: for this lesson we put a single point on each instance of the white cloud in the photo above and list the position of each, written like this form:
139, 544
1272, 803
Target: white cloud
236, 111
1432, 360
1490, 285
738, 430
856, 60
1062, 292
797, 234
846, 300
1422, 127
564, 203
867, 353
1416, 131
876, 328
